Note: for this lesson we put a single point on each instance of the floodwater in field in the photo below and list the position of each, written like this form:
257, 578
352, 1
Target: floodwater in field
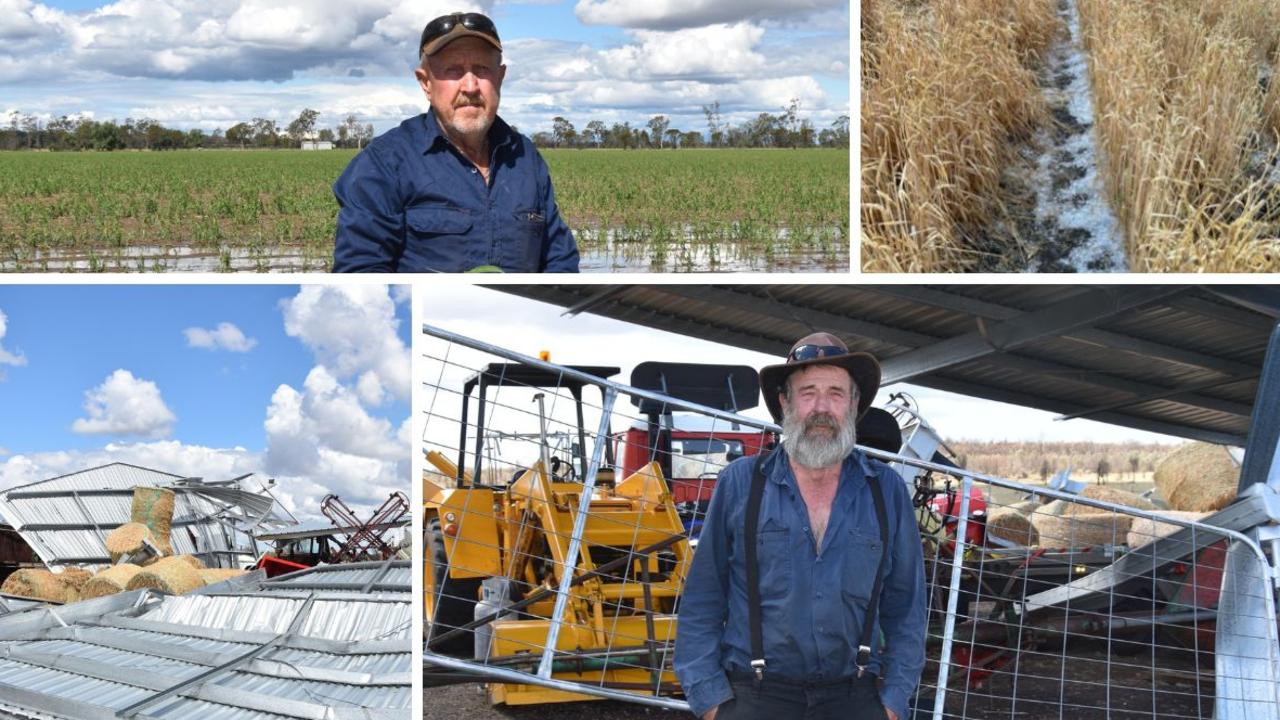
157, 258
609, 251
1073, 226
617, 251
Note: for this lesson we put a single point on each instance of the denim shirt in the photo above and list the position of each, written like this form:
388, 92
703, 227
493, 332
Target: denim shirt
812, 603
410, 202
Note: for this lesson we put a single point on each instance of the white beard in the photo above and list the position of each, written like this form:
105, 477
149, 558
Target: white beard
813, 449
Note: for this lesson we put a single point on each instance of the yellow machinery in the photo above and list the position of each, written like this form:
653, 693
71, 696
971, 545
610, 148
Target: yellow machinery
619, 622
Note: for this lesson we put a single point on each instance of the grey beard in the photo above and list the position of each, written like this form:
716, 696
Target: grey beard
814, 451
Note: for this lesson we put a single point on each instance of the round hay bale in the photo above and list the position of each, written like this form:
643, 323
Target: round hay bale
110, 581
1009, 524
75, 577
1144, 531
1081, 529
169, 575
153, 507
128, 539
216, 575
1198, 477
191, 560
1117, 497
38, 584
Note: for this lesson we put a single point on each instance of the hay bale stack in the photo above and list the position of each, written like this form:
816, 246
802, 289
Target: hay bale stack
216, 575
129, 539
1026, 507
153, 507
1012, 525
39, 584
110, 581
1146, 531
1198, 477
170, 575
1078, 526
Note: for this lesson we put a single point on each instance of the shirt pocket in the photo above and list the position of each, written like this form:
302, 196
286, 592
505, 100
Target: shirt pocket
439, 234
529, 229
774, 555
861, 562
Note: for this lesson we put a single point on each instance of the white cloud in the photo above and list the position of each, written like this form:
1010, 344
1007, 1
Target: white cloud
323, 433
352, 331
224, 337
673, 14
6, 357
717, 51
125, 405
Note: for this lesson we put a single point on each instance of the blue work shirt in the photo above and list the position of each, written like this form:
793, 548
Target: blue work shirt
411, 202
812, 603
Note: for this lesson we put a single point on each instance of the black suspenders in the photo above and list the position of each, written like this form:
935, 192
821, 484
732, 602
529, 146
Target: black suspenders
753, 570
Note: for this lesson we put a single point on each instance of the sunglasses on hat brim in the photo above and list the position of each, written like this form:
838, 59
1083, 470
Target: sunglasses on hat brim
446, 24
803, 353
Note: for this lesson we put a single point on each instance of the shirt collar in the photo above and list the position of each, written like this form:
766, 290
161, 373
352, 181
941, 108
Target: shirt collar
500, 133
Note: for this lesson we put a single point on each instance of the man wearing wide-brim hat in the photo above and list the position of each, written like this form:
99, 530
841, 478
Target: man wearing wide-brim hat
826, 617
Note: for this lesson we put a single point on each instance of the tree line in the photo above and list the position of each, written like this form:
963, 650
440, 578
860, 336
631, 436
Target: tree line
25, 131
786, 130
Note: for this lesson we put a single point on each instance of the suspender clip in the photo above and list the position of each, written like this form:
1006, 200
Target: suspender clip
864, 657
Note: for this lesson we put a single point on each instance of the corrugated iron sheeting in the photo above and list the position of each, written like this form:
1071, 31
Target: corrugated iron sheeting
111, 649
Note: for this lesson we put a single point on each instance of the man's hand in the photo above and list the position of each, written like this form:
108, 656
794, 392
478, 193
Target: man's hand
892, 715
710, 714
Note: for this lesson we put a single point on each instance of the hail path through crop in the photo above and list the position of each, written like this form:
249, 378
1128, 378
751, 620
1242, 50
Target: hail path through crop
1074, 228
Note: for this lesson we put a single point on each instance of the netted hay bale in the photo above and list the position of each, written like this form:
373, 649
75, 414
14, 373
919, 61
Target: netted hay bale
214, 576
1198, 477
169, 575
1081, 529
128, 539
153, 507
110, 581
1144, 531
1012, 525
38, 584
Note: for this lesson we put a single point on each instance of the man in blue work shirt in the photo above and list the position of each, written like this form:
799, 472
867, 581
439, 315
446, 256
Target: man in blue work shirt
808, 651
455, 189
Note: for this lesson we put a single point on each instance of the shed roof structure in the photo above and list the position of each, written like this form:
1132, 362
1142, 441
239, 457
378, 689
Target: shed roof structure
1180, 360
331, 642
65, 520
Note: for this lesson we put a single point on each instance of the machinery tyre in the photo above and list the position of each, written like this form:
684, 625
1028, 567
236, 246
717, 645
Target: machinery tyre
455, 598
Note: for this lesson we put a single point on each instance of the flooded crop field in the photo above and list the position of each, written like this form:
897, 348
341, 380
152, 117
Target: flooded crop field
717, 210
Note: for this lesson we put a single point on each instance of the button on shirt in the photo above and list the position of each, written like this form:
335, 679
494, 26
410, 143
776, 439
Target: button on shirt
812, 602
411, 202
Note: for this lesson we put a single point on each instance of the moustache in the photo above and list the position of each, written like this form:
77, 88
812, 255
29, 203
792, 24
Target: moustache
821, 420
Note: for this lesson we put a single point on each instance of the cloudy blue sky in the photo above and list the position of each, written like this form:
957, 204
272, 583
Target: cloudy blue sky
212, 63
306, 385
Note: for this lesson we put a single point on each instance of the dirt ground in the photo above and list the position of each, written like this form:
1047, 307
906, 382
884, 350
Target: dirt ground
469, 702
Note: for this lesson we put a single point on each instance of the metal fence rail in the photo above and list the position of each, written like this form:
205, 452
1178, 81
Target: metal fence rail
1042, 603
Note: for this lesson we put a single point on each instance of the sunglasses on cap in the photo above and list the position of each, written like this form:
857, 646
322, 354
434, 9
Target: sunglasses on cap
813, 352
445, 24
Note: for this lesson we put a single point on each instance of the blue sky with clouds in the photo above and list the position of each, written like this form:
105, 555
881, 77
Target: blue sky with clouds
191, 63
309, 385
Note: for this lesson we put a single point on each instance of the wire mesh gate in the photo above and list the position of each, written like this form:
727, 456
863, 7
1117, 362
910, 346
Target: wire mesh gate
560, 528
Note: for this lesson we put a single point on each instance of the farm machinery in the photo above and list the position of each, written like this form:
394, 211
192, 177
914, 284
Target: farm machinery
619, 509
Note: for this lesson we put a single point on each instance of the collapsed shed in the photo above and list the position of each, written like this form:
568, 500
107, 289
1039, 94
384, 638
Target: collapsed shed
65, 520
